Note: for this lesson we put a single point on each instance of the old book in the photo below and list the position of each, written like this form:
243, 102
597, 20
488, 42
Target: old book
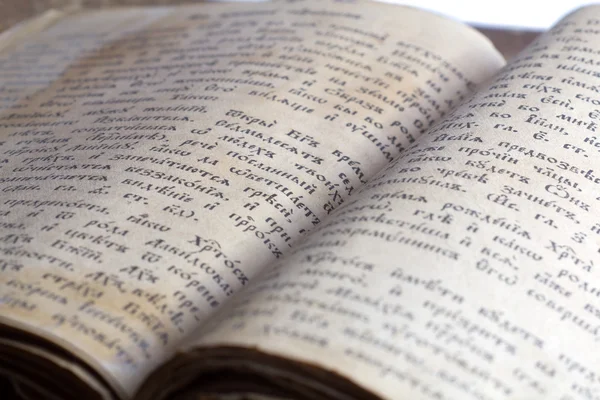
297, 200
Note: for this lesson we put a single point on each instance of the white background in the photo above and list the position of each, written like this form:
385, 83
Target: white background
538, 15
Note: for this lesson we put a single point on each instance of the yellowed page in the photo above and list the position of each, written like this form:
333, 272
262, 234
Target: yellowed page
469, 268
153, 160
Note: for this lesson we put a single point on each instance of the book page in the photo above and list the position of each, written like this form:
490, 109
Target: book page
468, 269
153, 160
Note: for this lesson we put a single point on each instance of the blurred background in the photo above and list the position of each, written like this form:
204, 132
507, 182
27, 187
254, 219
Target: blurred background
511, 14
510, 24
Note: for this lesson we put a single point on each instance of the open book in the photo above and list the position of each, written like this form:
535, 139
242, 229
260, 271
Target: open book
303, 200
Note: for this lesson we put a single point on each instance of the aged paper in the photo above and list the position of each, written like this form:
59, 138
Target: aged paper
153, 160
468, 269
